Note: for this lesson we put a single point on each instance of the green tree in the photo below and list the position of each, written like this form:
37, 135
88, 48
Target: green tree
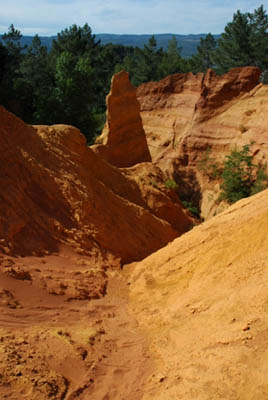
10, 95
130, 64
259, 37
235, 46
172, 62
3, 60
203, 59
76, 40
79, 81
12, 41
244, 42
73, 88
35, 82
110, 57
143, 65
150, 59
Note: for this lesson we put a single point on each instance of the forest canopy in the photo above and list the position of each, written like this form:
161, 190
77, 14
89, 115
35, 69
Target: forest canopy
68, 83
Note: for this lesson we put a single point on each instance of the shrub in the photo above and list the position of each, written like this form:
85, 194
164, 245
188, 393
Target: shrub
171, 184
241, 178
261, 181
191, 208
208, 165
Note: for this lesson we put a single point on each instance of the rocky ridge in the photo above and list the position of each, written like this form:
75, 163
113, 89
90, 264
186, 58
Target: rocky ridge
184, 115
57, 190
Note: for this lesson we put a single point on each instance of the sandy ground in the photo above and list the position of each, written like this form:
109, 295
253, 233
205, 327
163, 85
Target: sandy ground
188, 322
66, 333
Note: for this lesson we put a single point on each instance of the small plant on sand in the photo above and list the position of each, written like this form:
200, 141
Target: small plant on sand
171, 184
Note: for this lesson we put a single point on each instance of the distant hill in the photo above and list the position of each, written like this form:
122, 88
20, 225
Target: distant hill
188, 43
45, 40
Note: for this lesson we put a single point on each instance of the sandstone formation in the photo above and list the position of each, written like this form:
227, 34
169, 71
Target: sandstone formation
167, 107
55, 189
184, 115
158, 199
202, 301
123, 142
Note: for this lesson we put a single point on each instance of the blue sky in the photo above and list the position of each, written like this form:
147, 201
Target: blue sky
48, 17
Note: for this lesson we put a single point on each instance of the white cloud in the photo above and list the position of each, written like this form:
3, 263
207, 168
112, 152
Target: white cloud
48, 17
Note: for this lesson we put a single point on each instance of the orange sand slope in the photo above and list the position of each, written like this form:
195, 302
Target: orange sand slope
202, 300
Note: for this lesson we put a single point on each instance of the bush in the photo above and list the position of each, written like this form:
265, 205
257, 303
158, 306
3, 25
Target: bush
208, 165
261, 181
191, 208
241, 177
171, 184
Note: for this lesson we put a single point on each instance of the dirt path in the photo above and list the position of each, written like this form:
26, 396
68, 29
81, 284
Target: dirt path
125, 360
56, 342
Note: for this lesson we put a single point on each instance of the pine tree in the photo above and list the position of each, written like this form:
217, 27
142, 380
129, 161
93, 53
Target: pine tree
172, 62
3, 60
35, 83
244, 42
235, 48
10, 95
143, 64
203, 60
76, 40
259, 37
79, 81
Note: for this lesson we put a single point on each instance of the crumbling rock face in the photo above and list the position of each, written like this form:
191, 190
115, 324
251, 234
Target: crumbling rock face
157, 197
54, 189
184, 115
167, 109
123, 141
218, 91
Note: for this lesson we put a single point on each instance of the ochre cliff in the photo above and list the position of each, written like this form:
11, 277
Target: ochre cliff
55, 189
183, 115
123, 142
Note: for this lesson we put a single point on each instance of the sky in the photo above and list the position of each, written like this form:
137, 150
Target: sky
49, 17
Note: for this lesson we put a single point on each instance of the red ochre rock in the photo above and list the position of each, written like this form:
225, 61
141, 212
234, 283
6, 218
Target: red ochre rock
184, 115
55, 189
123, 141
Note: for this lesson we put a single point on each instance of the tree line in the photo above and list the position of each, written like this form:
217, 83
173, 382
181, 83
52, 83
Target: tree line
68, 84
